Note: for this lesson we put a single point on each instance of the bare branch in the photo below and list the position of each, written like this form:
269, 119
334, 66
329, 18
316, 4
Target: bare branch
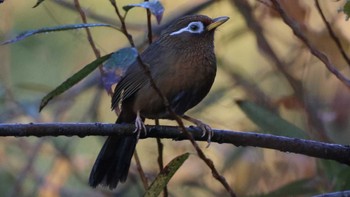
336, 152
88, 32
252, 23
320, 55
335, 194
332, 33
140, 170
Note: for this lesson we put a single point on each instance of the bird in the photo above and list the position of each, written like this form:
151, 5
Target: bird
182, 64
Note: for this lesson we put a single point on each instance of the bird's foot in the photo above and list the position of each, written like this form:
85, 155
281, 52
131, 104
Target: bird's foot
140, 125
206, 129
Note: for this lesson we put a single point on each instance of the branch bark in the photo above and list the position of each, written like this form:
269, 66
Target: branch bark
336, 152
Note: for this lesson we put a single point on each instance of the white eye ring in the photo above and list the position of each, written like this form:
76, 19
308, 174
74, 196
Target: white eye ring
193, 27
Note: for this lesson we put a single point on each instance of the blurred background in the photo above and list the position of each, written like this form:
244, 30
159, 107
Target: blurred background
279, 75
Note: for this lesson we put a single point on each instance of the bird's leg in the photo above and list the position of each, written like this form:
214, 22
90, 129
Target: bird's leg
139, 124
206, 129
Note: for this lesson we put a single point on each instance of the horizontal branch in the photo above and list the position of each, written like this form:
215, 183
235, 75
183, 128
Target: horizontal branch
337, 152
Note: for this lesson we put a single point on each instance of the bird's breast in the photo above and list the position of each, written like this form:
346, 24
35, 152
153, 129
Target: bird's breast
184, 82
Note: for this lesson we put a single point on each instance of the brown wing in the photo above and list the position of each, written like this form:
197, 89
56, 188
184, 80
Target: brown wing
135, 77
128, 85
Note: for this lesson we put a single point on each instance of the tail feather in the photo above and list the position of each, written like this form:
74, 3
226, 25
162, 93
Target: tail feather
113, 162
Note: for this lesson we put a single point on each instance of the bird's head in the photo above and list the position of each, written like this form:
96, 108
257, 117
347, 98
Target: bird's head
192, 29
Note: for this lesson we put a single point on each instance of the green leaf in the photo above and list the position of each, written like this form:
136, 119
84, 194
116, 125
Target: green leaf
295, 188
155, 6
26, 34
346, 9
165, 175
335, 173
38, 3
269, 122
71, 81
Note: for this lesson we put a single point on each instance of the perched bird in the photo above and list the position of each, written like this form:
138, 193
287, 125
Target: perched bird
182, 64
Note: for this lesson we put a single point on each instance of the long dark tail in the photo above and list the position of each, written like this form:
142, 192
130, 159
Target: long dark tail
113, 161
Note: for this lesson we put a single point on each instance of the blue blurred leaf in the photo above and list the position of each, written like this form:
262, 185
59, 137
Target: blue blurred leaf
116, 65
155, 6
121, 58
26, 34
109, 78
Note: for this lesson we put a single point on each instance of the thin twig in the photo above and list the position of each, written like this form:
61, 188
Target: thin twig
320, 55
142, 64
67, 4
245, 9
88, 32
140, 170
159, 142
206, 160
123, 24
149, 26
160, 148
332, 33
22, 175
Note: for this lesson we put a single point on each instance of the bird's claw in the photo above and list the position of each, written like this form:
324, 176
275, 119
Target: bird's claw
139, 126
206, 130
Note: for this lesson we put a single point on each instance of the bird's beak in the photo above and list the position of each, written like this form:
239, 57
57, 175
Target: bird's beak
217, 22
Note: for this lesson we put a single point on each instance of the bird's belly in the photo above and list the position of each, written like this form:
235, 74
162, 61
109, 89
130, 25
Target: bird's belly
152, 106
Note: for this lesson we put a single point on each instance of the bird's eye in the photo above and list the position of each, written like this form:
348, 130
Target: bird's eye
194, 27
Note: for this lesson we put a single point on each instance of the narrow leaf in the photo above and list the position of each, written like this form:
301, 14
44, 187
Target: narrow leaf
155, 6
269, 122
38, 3
165, 175
338, 175
295, 188
116, 66
26, 34
81, 74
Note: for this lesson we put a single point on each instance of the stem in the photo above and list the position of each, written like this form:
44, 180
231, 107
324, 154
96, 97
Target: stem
140, 170
88, 32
